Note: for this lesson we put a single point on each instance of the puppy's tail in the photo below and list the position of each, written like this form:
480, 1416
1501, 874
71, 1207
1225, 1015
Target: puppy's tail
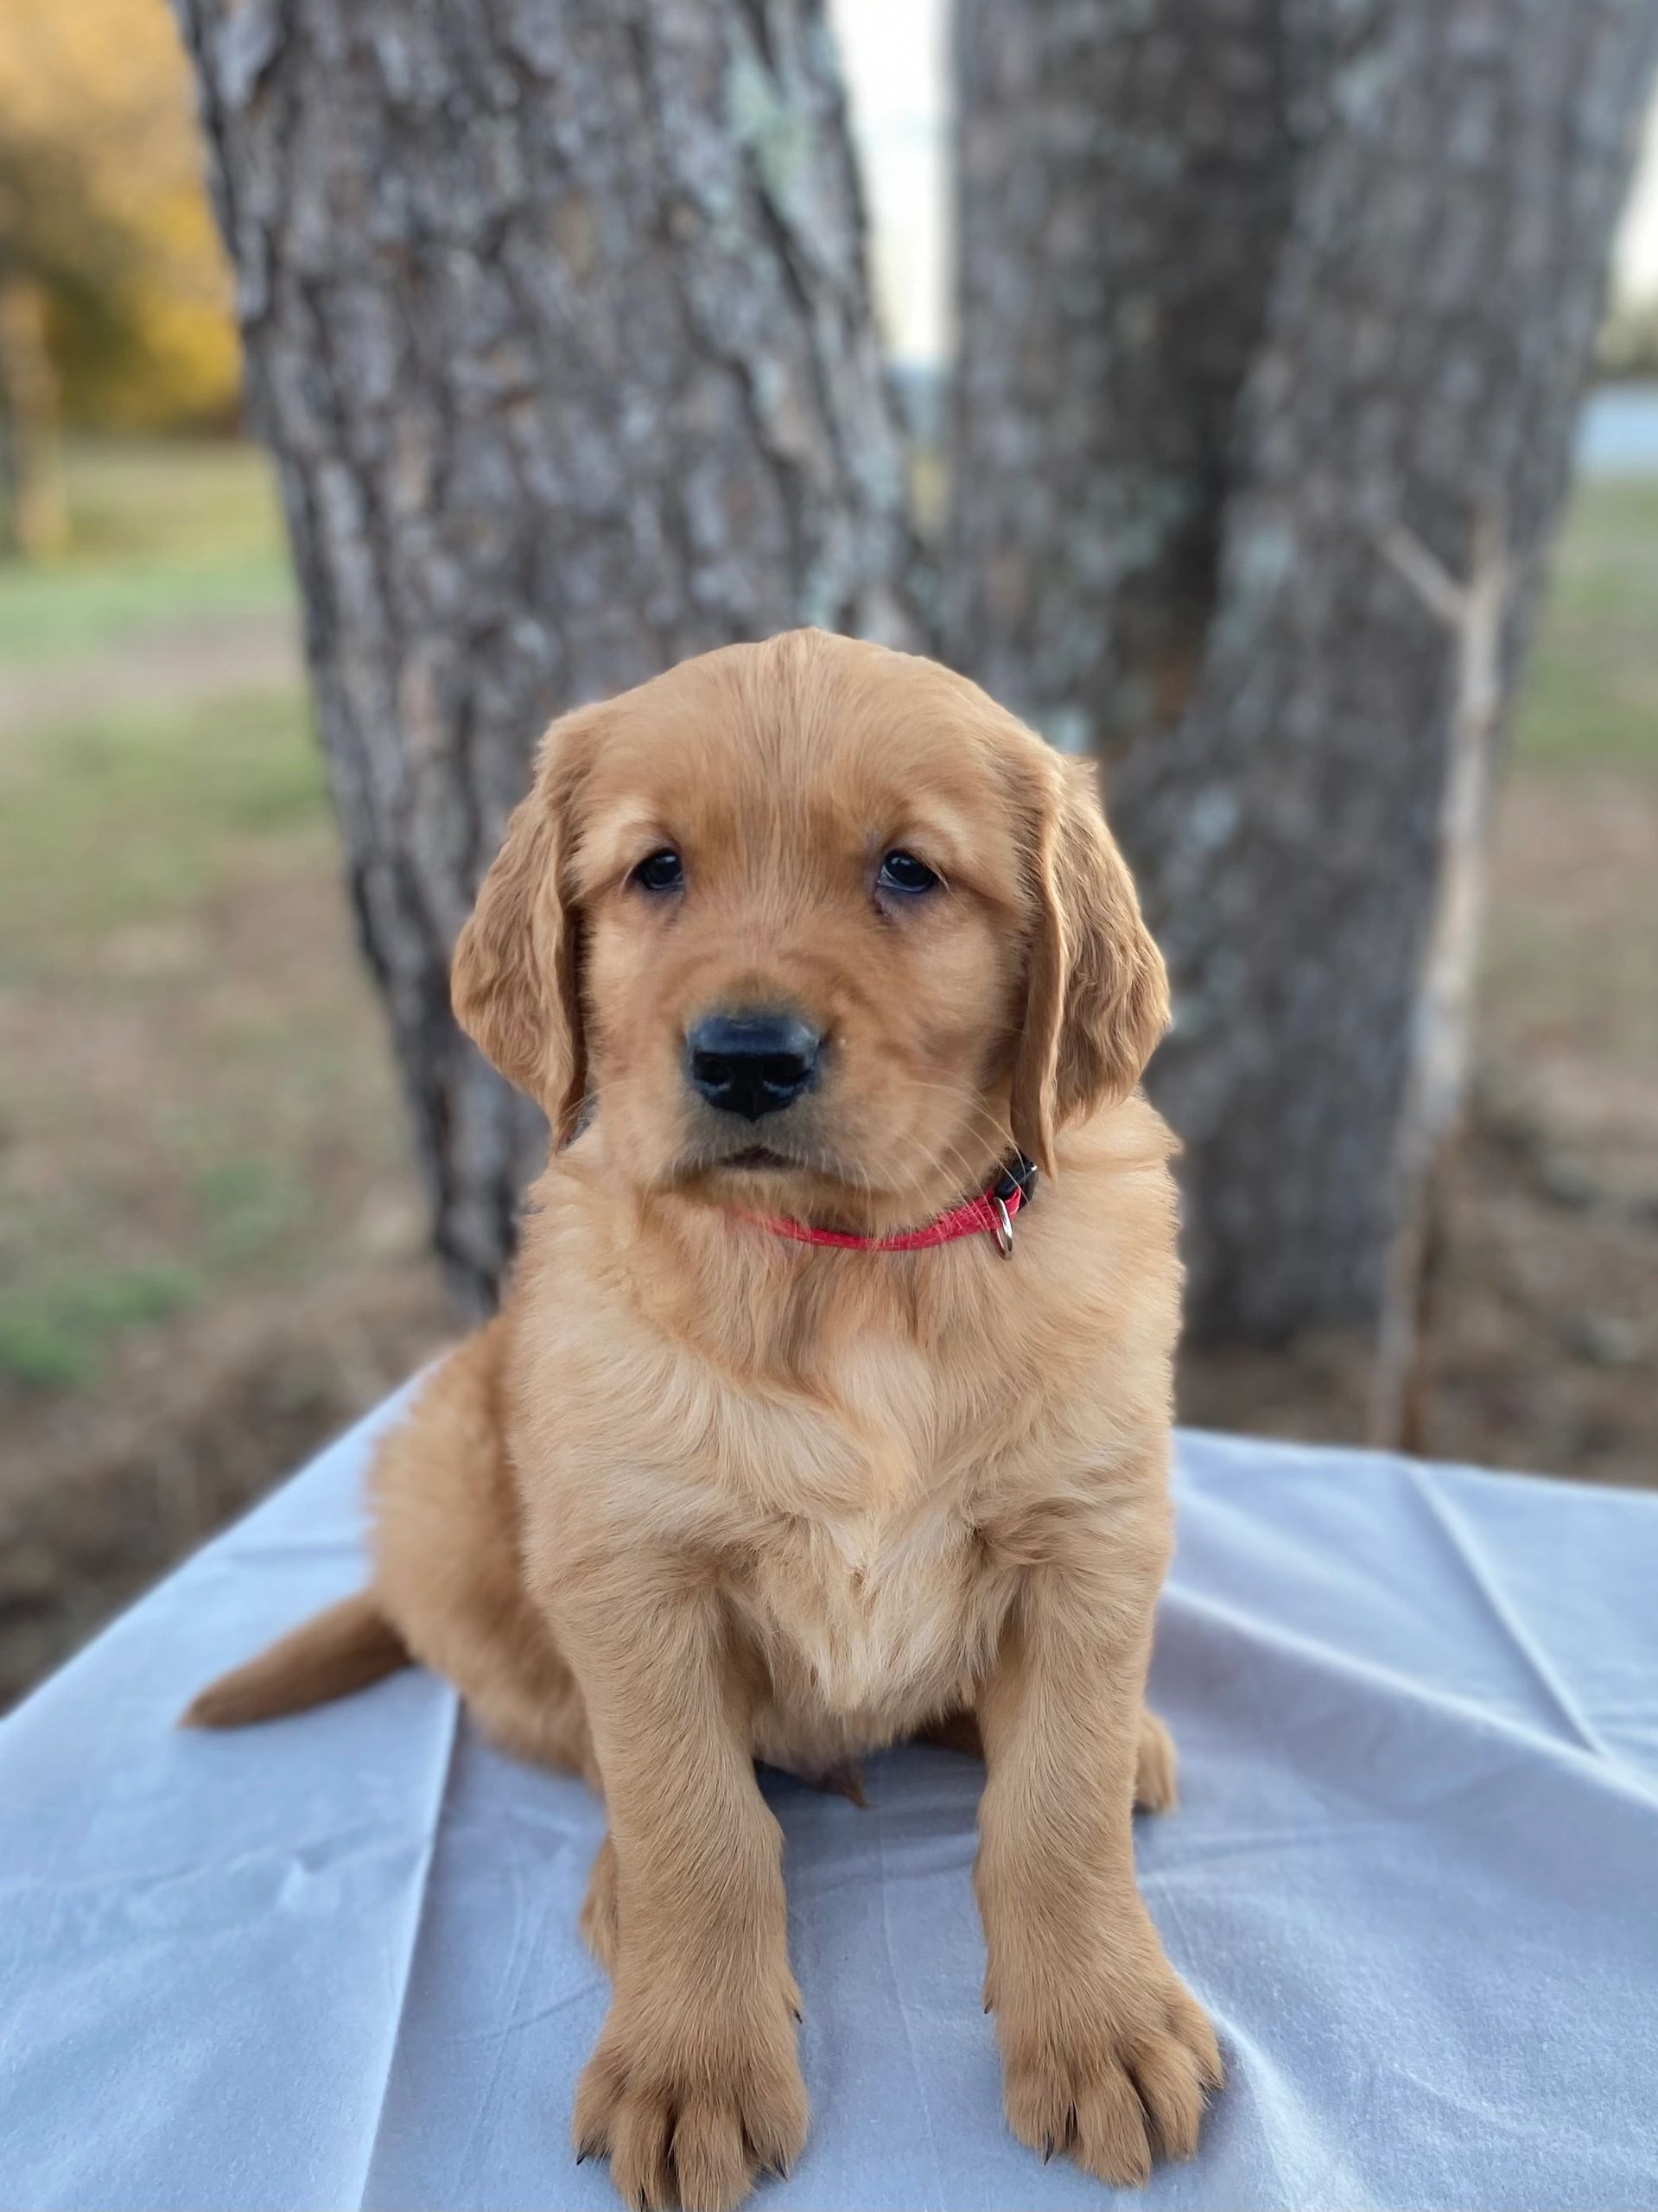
345, 1648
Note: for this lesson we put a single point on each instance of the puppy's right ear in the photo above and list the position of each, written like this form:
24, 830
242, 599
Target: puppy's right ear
515, 981
1098, 997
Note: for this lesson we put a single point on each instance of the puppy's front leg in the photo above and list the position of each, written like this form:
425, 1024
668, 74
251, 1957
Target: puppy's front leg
695, 2082
1105, 2053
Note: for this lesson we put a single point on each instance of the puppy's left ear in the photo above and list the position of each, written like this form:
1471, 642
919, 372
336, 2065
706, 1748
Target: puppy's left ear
1098, 999
515, 982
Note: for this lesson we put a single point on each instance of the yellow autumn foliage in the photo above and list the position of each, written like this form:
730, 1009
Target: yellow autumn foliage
102, 206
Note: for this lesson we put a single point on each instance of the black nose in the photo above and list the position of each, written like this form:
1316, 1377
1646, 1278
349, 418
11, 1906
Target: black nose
750, 1064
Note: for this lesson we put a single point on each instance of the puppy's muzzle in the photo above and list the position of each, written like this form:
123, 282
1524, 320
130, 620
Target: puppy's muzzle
750, 1064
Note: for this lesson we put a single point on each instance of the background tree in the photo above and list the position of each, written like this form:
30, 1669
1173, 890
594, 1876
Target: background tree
114, 306
1275, 319
555, 320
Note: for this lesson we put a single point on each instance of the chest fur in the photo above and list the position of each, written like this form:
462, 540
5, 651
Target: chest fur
869, 1613
846, 1487
868, 1588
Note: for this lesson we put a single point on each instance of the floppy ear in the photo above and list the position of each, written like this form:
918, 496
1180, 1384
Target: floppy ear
515, 982
1097, 996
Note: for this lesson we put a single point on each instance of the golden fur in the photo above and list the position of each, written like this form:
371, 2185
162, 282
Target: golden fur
702, 1494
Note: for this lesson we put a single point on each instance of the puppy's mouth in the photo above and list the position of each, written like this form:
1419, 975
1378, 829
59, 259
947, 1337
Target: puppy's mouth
745, 1160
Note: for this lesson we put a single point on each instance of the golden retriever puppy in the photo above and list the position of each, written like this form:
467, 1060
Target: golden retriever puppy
805, 1428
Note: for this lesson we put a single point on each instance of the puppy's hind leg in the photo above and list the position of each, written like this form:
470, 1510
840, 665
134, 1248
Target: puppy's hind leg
601, 1926
447, 1546
1156, 1765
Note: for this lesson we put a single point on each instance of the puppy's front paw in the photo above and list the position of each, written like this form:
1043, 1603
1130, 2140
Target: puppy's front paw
1114, 2074
689, 2106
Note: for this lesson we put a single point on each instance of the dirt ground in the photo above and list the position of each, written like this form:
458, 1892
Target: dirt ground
210, 1239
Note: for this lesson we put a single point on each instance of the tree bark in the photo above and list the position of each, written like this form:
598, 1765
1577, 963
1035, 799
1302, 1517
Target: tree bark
1423, 256
555, 320
1121, 185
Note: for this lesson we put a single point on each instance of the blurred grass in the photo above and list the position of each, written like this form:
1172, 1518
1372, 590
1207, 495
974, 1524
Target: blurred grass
51, 1337
1571, 956
123, 816
1591, 696
195, 1091
159, 531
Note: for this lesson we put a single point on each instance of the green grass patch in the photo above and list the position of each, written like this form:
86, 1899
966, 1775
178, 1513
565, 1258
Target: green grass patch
1591, 698
157, 1156
160, 531
54, 1332
249, 1207
125, 817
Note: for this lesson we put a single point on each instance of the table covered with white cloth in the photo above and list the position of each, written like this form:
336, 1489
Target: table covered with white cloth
332, 1962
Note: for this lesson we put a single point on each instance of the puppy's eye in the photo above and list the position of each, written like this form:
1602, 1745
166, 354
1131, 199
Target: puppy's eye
904, 872
662, 871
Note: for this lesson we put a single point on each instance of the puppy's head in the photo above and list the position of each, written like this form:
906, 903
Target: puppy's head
811, 924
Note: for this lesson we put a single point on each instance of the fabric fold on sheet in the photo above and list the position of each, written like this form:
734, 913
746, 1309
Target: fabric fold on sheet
334, 1961
419, 1902
1521, 1639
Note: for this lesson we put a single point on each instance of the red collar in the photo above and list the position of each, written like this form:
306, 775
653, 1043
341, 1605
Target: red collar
989, 1216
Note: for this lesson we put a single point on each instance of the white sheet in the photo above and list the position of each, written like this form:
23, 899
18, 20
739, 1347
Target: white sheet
333, 1962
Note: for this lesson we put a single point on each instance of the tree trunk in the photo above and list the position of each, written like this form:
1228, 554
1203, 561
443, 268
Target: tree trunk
33, 511
1423, 255
1121, 185
555, 320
